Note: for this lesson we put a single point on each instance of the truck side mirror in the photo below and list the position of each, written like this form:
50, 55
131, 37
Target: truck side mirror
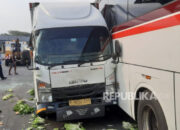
30, 43
118, 51
37, 59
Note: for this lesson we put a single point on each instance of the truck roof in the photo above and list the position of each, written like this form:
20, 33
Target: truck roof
53, 15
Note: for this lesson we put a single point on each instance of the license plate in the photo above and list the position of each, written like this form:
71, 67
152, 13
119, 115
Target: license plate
80, 102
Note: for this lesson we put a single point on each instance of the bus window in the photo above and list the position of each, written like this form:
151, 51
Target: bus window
138, 8
116, 13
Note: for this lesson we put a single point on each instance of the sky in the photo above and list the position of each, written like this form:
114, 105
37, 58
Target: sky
15, 14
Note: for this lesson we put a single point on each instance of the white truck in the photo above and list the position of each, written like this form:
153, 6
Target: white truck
146, 37
72, 60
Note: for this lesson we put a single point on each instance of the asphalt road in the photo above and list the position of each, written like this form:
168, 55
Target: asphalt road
22, 83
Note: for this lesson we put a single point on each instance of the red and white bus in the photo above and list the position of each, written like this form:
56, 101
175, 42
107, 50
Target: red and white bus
146, 34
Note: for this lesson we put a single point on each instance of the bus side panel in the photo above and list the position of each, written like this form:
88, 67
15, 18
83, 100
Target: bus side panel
161, 85
156, 49
177, 90
123, 81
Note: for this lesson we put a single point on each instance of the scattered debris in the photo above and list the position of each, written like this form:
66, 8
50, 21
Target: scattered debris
10, 90
23, 108
37, 123
70, 126
56, 129
17, 113
129, 126
1, 123
31, 99
31, 92
6, 97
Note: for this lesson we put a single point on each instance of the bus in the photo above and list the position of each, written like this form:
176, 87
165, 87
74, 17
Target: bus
146, 42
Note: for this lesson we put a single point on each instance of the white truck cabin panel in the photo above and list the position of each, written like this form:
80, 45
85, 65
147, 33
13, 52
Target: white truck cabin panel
54, 15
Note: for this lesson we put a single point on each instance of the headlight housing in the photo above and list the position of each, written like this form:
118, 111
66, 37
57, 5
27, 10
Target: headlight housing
110, 83
110, 88
44, 91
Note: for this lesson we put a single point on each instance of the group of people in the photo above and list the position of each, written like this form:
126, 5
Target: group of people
12, 62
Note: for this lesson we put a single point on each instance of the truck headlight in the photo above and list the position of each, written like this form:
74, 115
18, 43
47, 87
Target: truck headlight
44, 92
45, 97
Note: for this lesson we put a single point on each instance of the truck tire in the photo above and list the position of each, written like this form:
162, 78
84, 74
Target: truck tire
26, 58
150, 115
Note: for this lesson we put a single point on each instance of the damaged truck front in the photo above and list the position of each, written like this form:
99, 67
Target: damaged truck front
72, 61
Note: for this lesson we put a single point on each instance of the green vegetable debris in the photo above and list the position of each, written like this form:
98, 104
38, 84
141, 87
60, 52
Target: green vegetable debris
129, 126
31, 92
6, 97
10, 90
31, 99
37, 123
70, 126
22, 108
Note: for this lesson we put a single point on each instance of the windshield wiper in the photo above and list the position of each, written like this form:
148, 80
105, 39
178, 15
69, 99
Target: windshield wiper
64, 63
94, 59
53, 65
79, 62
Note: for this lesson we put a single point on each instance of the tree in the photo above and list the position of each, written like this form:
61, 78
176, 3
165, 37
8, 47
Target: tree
4, 34
18, 33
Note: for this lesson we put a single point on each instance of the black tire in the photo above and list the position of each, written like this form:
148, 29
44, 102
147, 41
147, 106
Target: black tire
26, 62
26, 54
150, 115
26, 58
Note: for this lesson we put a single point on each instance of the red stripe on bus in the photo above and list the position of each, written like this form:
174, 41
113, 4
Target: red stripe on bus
163, 11
156, 25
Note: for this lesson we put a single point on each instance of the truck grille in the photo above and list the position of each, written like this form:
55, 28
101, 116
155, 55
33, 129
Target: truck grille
80, 91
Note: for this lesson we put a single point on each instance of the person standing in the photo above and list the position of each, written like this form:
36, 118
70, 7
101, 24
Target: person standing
1, 71
12, 63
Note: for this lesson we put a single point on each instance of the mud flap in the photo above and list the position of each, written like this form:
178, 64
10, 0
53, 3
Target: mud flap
80, 112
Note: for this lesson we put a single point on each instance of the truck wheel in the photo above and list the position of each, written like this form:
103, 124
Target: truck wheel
150, 115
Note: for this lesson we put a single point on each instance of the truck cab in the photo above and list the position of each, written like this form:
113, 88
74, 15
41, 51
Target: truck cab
72, 60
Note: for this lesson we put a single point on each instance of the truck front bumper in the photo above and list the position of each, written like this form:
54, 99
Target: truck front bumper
80, 112
65, 112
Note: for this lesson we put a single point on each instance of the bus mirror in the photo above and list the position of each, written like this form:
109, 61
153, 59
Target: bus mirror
118, 50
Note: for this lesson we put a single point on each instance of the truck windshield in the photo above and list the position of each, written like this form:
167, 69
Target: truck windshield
72, 45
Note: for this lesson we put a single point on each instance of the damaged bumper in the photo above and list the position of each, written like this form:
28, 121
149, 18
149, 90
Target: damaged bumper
80, 112
65, 112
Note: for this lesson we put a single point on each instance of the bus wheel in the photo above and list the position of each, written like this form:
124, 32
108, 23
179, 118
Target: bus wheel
150, 115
